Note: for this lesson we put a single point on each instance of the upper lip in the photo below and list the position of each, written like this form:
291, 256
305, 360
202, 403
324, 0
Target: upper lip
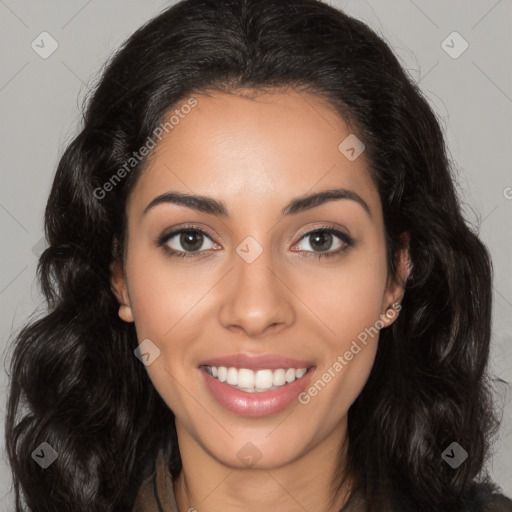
256, 362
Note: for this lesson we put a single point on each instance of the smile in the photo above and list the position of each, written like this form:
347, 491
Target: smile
250, 381
255, 385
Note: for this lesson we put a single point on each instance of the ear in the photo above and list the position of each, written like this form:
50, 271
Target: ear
120, 290
395, 287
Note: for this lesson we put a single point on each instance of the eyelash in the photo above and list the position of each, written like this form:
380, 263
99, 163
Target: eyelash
346, 239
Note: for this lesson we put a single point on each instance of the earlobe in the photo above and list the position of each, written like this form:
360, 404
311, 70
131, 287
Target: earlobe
395, 290
390, 314
125, 313
120, 290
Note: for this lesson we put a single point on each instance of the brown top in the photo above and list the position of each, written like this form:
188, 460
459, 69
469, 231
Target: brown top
156, 494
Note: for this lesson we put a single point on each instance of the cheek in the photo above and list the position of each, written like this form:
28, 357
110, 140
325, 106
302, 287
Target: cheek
165, 302
348, 377
170, 301
165, 297
347, 298
349, 302
341, 378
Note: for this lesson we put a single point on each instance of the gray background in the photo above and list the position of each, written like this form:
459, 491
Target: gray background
472, 95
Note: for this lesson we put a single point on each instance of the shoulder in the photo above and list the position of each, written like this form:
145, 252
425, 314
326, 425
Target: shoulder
497, 503
478, 497
485, 498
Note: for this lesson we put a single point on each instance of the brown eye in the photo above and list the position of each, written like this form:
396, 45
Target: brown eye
191, 240
185, 242
326, 241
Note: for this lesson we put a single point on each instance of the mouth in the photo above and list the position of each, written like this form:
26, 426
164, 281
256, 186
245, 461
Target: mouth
250, 381
256, 386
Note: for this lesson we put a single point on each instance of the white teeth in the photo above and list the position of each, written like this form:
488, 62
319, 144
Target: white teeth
279, 377
290, 375
300, 373
255, 381
263, 379
232, 377
245, 378
222, 373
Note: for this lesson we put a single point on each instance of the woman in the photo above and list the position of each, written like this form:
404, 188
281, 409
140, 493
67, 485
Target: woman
262, 292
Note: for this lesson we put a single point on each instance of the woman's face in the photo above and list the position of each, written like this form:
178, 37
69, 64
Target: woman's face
252, 292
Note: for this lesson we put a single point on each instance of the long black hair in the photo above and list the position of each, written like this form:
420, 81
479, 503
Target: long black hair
74, 380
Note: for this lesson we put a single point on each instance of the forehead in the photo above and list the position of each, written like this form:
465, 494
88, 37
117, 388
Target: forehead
249, 151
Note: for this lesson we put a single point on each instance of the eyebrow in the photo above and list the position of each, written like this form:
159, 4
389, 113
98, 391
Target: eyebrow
213, 206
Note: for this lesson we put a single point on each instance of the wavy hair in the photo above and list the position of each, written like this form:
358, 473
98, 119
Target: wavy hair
74, 380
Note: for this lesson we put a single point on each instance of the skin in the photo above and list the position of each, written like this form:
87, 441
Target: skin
256, 155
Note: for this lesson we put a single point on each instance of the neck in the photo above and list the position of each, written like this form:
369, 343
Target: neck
302, 484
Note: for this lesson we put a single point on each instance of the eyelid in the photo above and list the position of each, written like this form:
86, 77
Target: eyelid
169, 233
324, 227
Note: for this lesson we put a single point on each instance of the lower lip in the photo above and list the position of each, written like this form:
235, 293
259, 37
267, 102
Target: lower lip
255, 404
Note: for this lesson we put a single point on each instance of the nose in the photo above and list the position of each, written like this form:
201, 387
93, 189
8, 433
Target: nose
256, 299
